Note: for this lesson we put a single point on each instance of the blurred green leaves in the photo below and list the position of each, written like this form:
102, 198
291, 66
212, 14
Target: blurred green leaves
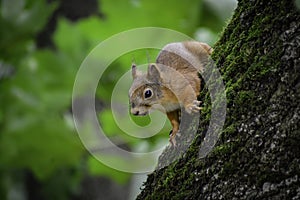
35, 103
174, 14
97, 168
20, 20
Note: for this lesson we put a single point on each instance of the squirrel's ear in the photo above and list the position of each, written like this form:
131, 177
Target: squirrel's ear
133, 71
153, 73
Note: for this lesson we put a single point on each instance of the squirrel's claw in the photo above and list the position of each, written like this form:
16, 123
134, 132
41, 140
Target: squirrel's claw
172, 140
194, 107
172, 137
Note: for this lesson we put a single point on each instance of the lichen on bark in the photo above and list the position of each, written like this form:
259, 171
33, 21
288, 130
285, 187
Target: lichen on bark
258, 153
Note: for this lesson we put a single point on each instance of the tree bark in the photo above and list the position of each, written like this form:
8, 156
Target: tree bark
257, 155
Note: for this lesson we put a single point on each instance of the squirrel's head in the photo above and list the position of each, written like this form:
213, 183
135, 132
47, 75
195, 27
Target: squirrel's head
145, 91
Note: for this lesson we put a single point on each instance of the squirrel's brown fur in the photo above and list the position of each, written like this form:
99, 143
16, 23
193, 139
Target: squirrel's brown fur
170, 83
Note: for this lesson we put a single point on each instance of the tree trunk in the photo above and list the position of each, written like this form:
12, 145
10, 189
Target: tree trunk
257, 155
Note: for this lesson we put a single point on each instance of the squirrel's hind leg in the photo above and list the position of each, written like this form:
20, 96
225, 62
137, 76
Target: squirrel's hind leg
174, 119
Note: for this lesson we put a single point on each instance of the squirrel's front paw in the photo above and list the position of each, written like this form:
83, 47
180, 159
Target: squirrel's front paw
193, 107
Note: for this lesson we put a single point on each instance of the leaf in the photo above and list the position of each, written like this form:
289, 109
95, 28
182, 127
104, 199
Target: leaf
97, 168
11, 9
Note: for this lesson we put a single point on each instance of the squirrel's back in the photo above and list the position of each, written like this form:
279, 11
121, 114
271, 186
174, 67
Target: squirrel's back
186, 56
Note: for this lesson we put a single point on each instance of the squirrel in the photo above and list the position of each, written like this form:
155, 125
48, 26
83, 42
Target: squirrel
171, 83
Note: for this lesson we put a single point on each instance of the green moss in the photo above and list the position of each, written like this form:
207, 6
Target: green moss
228, 168
244, 97
223, 149
230, 129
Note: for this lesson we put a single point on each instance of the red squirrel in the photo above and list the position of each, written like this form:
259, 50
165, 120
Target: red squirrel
171, 83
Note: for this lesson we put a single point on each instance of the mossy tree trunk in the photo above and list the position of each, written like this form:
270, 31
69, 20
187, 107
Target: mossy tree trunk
257, 155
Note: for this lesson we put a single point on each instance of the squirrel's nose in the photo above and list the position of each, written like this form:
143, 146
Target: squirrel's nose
136, 112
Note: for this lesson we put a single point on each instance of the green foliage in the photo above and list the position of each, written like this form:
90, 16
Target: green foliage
97, 168
35, 134
178, 15
20, 21
35, 131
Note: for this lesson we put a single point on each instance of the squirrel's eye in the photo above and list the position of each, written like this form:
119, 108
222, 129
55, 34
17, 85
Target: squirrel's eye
148, 93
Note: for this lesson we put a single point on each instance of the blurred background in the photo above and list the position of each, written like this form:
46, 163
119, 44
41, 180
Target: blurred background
42, 45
